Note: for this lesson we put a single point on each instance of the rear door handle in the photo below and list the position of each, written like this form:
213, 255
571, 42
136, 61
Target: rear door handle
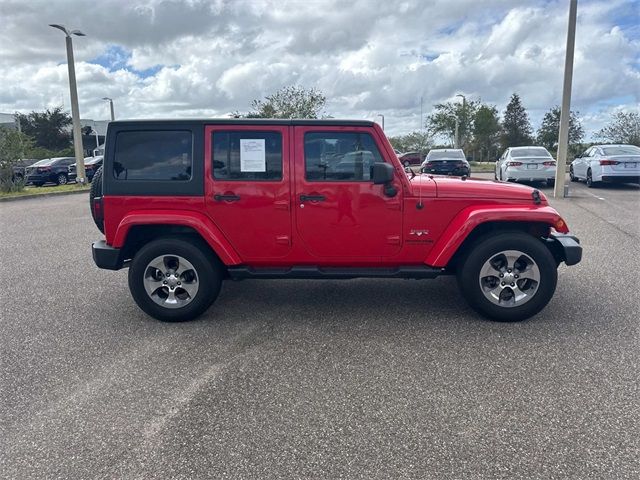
226, 198
312, 198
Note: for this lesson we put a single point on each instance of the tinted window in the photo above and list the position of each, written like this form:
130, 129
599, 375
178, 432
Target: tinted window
530, 152
442, 155
330, 156
153, 155
624, 150
247, 155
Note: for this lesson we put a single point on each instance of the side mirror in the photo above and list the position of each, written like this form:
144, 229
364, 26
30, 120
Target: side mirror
382, 173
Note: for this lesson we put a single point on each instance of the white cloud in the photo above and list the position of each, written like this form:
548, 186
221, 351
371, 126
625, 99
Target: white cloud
368, 57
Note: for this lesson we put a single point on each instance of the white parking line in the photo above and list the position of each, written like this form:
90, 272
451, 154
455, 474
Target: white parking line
593, 195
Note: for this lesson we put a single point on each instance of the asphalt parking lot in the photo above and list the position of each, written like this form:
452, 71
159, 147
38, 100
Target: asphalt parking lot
325, 379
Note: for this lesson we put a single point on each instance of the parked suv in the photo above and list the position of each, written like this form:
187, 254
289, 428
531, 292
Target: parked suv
50, 170
188, 204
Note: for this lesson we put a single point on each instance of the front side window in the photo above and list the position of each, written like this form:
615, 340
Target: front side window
158, 155
335, 156
247, 155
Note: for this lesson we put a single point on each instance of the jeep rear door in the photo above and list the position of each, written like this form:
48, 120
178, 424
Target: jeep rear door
339, 212
247, 187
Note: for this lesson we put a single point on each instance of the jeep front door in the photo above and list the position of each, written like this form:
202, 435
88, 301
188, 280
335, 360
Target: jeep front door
247, 188
339, 212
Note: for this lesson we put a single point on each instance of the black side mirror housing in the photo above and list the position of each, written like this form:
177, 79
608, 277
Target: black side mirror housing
381, 173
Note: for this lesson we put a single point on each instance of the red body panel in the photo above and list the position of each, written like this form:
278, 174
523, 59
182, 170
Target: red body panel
355, 225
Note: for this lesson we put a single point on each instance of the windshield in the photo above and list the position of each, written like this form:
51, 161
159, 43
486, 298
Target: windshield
530, 152
446, 155
622, 150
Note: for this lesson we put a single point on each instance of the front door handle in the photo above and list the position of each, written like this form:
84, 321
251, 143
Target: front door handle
312, 198
226, 198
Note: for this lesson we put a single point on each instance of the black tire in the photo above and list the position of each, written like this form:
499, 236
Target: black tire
468, 275
61, 179
590, 182
572, 177
208, 269
96, 192
550, 183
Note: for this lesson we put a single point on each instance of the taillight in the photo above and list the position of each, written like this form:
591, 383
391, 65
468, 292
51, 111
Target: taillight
429, 165
98, 212
608, 162
44, 169
514, 164
549, 164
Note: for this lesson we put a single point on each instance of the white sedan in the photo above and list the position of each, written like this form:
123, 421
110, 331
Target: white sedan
526, 164
607, 163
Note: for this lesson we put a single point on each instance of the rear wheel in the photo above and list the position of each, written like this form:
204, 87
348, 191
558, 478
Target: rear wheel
61, 179
590, 182
173, 280
508, 277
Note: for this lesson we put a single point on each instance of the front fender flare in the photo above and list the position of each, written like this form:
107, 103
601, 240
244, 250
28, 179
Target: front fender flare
199, 222
471, 217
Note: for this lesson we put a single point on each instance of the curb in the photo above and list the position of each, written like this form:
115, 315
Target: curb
41, 195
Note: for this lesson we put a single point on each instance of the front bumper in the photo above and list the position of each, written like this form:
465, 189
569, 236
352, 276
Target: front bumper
567, 247
107, 257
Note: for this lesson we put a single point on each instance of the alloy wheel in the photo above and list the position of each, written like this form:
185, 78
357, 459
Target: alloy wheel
509, 278
171, 281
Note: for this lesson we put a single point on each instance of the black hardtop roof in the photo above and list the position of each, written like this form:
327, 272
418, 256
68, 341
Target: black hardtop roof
246, 121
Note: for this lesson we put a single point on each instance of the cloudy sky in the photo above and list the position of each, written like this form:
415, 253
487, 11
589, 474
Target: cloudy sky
171, 58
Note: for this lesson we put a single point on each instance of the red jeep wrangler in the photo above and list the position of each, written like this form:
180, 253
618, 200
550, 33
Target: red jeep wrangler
186, 204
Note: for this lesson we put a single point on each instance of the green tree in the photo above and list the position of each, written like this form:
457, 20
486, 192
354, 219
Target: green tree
416, 141
49, 129
550, 128
516, 128
486, 131
289, 102
12, 147
623, 128
443, 121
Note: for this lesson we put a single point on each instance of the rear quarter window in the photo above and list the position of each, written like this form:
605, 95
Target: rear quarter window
162, 155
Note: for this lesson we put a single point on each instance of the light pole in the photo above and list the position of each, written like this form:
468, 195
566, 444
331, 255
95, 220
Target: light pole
110, 100
75, 113
563, 140
464, 109
381, 115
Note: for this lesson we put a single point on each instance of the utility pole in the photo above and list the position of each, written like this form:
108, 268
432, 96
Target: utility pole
75, 112
563, 140
464, 109
110, 100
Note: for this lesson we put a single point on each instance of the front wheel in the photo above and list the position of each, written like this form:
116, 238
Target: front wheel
572, 175
173, 280
508, 277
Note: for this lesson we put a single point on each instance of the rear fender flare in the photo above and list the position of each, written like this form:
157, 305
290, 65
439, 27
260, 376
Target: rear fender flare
471, 217
199, 222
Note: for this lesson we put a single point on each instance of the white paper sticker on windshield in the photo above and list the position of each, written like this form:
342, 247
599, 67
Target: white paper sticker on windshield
252, 156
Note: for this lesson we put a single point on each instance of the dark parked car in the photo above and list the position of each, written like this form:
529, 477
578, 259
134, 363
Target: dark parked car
446, 161
20, 167
411, 158
91, 164
49, 170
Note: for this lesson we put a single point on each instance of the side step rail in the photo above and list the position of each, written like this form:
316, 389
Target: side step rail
313, 272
